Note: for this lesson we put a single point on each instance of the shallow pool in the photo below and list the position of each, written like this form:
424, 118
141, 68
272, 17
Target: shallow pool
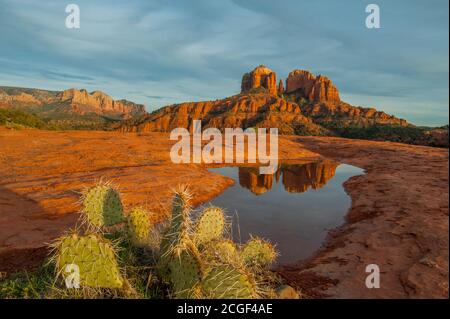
293, 208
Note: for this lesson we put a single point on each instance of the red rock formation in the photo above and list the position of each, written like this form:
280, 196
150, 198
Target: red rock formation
7, 101
247, 110
307, 103
280, 87
310, 87
324, 105
347, 114
261, 76
98, 102
68, 101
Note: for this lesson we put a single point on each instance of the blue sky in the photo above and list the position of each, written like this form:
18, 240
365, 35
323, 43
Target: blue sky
160, 52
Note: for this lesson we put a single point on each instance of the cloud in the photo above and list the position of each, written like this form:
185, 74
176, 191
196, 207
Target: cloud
157, 97
165, 51
65, 76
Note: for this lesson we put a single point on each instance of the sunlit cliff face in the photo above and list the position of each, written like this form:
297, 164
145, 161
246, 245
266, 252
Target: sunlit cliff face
295, 178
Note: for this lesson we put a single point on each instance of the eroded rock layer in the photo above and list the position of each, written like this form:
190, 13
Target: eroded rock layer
245, 110
68, 101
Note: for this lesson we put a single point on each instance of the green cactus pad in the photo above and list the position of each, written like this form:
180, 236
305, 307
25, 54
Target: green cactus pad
102, 206
258, 252
185, 273
177, 237
224, 251
210, 225
228, 282
95, 258
138, 226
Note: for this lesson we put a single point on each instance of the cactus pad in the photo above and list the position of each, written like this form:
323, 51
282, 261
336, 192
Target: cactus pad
210, 225
102, 206
138, 226
177, 237
185, 273
95, 258
224, 251
227, 282
258, 252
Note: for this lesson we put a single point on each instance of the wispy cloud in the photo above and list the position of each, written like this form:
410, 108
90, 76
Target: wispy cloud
166, 51
65, 76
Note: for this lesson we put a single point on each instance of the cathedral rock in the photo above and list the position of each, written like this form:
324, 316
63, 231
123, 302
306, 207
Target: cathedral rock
306, 105
261, 76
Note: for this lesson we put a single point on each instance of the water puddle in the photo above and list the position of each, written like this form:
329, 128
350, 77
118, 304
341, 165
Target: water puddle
293, 208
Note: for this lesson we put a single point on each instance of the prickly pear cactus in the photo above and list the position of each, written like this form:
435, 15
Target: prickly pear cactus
258, 252
177, 238
102, 206
93, 256
228, 282
201, 263
222, 251
138, 226
210, 225
185, 273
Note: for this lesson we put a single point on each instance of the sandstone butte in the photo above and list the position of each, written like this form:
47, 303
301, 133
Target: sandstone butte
260, 77
305, 102
313, 88
69, 101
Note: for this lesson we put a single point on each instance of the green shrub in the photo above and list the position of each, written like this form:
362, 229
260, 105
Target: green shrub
16, 119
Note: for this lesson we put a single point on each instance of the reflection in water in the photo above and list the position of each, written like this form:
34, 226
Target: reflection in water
296, 178
293, 208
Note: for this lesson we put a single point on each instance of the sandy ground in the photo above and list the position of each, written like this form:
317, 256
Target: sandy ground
398, 219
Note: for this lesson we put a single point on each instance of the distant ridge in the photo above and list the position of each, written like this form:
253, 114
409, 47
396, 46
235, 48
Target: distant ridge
51, 104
